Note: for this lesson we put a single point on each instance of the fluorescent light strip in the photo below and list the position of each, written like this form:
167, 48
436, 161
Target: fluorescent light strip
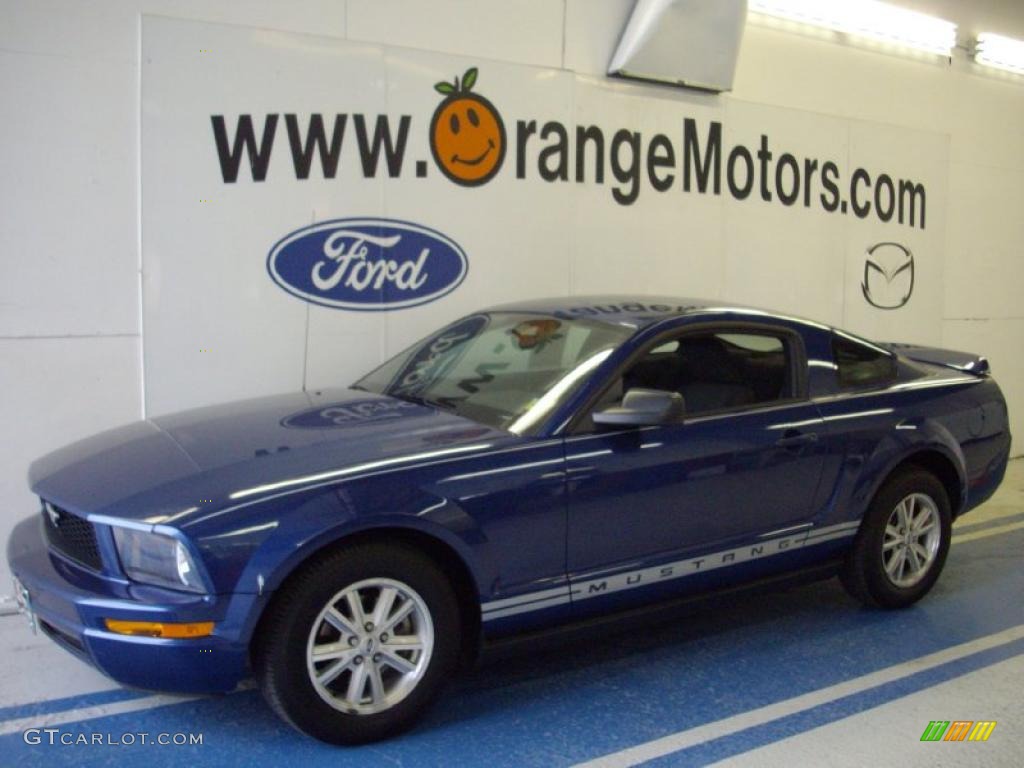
868, 19
1000, 52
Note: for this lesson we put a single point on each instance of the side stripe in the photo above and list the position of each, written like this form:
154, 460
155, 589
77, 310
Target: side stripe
536, 605
529, 597
597, 586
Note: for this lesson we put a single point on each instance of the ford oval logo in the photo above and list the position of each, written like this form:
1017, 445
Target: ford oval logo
367, 264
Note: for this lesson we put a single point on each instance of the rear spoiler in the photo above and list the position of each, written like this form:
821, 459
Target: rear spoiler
960, 361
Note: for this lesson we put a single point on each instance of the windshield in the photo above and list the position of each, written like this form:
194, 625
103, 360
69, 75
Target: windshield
504, 369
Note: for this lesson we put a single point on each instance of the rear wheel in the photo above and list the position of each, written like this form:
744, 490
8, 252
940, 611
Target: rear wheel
902, 544
358, 643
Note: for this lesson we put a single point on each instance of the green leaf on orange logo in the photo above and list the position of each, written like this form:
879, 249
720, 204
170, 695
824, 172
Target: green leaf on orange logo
469, 78
445, 88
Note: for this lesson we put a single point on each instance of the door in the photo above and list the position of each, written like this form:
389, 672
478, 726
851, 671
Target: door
744, 462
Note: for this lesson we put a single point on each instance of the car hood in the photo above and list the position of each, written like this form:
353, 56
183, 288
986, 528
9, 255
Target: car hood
181, 467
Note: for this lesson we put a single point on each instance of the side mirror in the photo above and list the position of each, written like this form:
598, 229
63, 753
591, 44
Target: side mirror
643, 408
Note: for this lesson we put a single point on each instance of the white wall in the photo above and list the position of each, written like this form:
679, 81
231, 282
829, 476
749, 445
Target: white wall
71, 328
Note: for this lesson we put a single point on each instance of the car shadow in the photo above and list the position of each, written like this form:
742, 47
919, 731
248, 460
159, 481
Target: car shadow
560, 662
820, 612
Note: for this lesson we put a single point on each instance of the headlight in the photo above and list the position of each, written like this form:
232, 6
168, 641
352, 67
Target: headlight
153, 558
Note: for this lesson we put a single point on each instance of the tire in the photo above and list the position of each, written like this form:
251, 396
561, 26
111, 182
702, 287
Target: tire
872, 571
375, 680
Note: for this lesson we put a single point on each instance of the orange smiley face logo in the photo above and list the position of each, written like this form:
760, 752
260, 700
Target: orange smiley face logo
467, 135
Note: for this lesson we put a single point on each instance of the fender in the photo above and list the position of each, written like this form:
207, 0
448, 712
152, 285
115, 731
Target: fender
328, 519
912, 436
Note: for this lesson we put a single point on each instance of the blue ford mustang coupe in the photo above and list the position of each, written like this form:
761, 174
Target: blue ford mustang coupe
526, 467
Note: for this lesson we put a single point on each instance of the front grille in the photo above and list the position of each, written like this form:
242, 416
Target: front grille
72, 536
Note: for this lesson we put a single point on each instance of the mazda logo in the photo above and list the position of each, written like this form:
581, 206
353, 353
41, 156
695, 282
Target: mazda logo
888, 275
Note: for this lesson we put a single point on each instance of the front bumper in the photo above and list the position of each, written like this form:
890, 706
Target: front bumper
71, 604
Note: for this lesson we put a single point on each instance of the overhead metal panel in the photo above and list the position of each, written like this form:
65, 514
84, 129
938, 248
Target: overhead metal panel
693, 43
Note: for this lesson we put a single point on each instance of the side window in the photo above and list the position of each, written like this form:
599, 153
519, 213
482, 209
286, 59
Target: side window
859, 364
715, 371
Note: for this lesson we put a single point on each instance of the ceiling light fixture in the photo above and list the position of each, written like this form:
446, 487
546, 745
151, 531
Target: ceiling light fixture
1000, 52
868, 19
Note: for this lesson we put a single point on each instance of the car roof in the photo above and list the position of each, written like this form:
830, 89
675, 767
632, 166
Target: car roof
635, 311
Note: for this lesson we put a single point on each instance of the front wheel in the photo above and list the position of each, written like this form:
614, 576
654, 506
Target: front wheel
902, 544
358, 643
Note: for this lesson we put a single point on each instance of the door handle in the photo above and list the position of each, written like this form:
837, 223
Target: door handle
794, 438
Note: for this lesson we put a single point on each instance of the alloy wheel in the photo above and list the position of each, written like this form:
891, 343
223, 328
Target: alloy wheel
370, 646
911, 541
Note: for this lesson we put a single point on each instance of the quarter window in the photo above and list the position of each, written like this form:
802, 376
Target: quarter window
859, 364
